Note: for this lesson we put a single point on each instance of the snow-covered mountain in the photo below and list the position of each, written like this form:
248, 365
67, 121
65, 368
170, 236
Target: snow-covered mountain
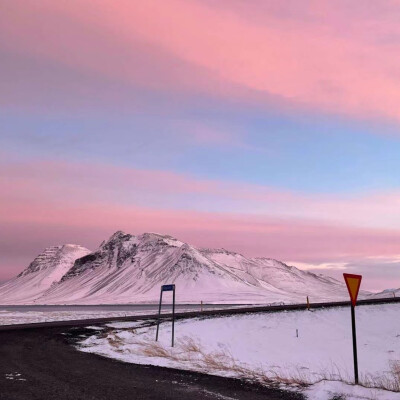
44, 271
387, 293
131, 269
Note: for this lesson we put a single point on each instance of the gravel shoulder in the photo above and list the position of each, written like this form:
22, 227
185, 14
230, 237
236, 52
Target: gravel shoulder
43, 364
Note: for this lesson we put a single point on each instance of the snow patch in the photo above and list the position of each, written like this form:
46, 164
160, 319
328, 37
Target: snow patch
265, 347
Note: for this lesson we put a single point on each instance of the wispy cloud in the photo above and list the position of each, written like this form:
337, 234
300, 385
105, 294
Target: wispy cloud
185, 70
59, 200
379, 272
315, 60
81, 182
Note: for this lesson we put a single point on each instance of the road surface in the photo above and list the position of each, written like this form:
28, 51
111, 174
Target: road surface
42, 363
193, 314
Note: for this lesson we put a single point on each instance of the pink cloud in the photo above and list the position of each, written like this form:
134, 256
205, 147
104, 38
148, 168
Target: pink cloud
326, 58
83, 183
255, 219
295, 240
50, 203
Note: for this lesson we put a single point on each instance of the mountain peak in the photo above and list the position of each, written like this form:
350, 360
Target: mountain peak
55, 255
118, 235
221, 250
45, 271
131, 268
152, 237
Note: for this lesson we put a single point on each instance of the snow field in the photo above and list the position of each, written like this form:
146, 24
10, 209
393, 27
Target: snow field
30, 317
11, 317
265, 346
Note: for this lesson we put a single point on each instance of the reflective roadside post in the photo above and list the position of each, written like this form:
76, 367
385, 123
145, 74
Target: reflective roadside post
167, 288
353, 283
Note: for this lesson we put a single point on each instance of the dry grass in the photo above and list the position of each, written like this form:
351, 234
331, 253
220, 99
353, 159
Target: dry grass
114, 341
389, 381
156, 350
189, 354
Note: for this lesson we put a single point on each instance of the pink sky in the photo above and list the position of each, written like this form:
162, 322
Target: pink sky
85, 203
347, 60
267, 127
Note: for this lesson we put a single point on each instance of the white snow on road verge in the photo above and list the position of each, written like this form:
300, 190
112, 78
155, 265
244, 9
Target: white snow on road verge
12, 317
287, 347
334, 390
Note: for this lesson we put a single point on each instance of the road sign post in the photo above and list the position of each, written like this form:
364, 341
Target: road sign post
167, 288
353, 328
353, 283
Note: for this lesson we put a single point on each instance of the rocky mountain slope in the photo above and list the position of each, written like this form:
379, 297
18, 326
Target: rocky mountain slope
387, 293
45, 270
130, 269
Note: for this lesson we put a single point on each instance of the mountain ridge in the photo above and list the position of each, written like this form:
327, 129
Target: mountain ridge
128, 268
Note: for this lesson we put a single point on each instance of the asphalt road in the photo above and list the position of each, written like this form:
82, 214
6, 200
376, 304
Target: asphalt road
193, 314
43, 364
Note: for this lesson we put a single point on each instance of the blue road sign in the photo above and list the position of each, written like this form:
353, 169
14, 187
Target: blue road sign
166, 288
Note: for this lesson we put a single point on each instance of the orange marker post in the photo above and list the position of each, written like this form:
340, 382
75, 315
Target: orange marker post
353, 283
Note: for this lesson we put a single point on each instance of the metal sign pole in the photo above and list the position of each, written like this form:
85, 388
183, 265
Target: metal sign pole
353, 324
167, 288
159, 314
173, 317
353, 283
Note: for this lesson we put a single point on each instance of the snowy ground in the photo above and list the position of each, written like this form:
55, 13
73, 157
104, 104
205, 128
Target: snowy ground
31, 314
28, 317
291, 347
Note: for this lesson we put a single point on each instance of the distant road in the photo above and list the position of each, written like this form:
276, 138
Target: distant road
41, 364
193, 314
